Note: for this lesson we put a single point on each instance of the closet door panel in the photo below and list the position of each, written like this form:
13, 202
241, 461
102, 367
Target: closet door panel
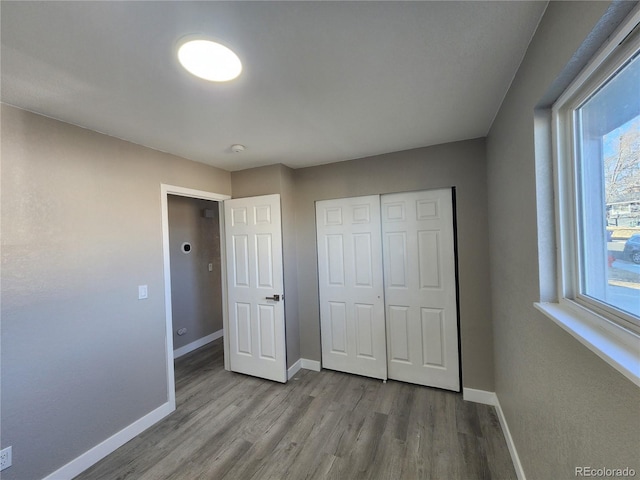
420, 288
351, 286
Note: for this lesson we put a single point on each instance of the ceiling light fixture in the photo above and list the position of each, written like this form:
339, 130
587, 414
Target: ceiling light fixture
209, 60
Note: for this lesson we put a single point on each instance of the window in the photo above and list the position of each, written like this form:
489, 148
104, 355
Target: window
599, 167
606, 146
596, 133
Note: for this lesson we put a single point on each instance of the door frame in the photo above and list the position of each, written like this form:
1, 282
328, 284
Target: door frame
165, 191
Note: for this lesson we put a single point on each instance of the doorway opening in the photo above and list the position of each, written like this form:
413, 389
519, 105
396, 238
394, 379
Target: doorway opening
196, 282
166, 192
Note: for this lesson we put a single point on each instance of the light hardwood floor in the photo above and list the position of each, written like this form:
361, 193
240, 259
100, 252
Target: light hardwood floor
320, 425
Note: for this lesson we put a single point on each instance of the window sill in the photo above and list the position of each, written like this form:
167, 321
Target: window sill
617, 346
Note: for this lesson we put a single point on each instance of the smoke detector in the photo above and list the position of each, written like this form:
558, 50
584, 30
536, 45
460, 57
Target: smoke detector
237, 148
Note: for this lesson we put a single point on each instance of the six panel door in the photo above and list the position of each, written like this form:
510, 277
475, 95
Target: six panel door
351, 286
253, 241
416, 316
420, 288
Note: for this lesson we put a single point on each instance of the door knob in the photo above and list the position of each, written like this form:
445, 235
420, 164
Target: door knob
275, 298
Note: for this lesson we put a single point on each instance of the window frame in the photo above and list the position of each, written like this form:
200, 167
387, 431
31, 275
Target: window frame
565, 113
610, 333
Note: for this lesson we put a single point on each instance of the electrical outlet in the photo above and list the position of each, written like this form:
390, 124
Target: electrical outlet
5, 458
143, 292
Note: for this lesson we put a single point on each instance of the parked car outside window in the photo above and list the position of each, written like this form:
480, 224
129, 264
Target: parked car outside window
632, 248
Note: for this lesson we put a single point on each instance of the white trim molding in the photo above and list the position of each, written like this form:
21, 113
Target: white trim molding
509, 439
293, 369
300, 364
110, 445
490, 398
201, 342
310, 364
479, 396
165, 191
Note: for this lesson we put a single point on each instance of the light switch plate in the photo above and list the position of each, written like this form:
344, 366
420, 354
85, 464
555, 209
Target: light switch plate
143, 292
5, 458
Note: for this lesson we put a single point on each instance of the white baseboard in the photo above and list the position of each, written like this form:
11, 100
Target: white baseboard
490, 398
479, 396
111, 444
201, 342
293, 369
512, 447
310, 364
303, 363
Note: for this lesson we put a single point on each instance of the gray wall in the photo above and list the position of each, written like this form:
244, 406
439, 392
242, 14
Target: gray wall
82, 357
196, 293
278, 179
565, 406
460, 164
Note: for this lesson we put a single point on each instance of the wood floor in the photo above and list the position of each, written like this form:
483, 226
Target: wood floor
320, 425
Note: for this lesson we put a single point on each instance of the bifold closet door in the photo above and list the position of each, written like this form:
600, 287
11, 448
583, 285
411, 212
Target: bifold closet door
420, 288
351, 286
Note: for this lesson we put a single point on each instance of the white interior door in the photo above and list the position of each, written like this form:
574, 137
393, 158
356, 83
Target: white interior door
351, 286
420, 288
253, 240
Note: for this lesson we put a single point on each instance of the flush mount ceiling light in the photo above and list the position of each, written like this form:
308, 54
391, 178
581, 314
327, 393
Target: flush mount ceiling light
209, 60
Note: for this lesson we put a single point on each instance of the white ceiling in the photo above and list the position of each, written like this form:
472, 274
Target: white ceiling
322, 81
